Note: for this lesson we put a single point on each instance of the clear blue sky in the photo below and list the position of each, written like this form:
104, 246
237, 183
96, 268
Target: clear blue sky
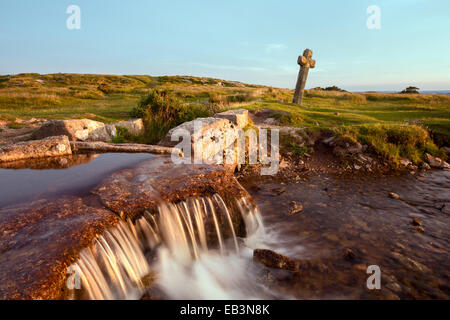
254, 41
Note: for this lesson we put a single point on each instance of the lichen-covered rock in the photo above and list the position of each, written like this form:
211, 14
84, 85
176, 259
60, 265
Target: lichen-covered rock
76, 130
238, 116
134, 126
98, 146
49, 147
212, 139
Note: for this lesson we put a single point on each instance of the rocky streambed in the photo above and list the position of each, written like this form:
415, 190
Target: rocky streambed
343, 225
136, 225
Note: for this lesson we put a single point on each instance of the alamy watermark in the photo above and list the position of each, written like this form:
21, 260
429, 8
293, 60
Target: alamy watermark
214, 146
73, 22
374, 281
374, 20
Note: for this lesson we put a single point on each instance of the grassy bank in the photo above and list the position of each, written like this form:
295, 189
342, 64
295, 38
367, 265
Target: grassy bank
394, 125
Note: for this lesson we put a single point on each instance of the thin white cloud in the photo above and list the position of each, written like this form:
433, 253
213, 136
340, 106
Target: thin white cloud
228, 67
274, 47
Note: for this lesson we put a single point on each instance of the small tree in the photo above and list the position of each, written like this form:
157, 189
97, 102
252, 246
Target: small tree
411, 90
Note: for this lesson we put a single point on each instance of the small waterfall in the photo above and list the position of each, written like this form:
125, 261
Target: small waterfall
198, 253
113, 267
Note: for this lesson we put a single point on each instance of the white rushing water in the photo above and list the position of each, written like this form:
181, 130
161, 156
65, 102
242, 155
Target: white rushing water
196, 254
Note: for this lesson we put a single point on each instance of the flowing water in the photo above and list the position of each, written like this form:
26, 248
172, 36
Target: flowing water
191, 247
190, 250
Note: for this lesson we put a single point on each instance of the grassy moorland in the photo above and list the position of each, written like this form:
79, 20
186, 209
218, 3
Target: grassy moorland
102, 97
394, 125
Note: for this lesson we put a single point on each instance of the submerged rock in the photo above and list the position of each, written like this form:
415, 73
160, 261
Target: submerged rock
49, 147
349, 255
273, 259
416, 222
394, 195
295, 208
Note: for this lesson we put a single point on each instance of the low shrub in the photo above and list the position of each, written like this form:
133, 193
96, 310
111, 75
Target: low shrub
161, 110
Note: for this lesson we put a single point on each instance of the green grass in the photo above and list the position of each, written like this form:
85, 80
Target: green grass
15, 125
371, 118
106, 98
392, 126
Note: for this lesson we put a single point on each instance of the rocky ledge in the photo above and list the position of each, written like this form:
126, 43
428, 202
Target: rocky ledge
49, 147
39, 240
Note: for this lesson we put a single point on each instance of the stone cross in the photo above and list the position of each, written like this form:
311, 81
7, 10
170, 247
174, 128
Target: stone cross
305, 61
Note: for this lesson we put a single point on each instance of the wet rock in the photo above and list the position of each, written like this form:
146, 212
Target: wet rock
49, 147
131, 192
238, 116
405, 162
284, 164
76, 130
416, 222
279, 191
273, 259
329, 141
419, 229
425, 166
346, 147
360, 267
295, 208
394, 195
39, 240
331, 237
436, 162
349, 255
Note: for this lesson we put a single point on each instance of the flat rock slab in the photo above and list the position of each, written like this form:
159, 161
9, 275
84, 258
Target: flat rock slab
238, 116
78, 146
76, 130
49, 147
39, 240
131, 192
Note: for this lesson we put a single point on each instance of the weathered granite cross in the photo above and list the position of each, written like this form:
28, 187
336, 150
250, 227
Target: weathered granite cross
305, 61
